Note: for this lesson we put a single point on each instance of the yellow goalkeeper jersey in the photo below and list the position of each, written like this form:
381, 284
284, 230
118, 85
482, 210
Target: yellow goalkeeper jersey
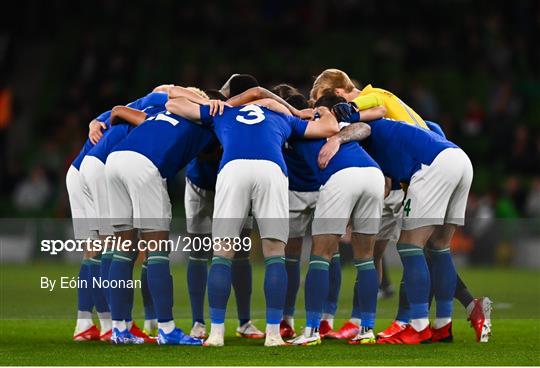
395, 108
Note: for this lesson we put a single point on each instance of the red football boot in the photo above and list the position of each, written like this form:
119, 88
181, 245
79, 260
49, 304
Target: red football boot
409, 336
325, 329
90, 334
393, 329
135, 330
480, 318
443, 334
286, 330
346, 332
106, 336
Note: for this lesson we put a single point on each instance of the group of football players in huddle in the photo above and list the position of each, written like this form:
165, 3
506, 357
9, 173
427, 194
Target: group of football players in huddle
347, 163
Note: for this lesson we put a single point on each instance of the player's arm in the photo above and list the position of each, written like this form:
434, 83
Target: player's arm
177, 91
184, 107
173, 91
347, 112
373, 113
272, 105
259, 93
368, 101
353, 132
326, 126
190, 110
132, 116
163, 88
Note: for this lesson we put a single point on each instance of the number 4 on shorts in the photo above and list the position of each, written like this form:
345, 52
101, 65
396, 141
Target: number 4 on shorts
407, 207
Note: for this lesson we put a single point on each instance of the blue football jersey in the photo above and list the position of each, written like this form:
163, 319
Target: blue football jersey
168, 140
349, 155
87, 146
401, 149
151, 99
203, 171
115, 134
253, 132
302, 178
435, 128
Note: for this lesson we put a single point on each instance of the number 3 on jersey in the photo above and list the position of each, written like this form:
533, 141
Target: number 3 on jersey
254, 115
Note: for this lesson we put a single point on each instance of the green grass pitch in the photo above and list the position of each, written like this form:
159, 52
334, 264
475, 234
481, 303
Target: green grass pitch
36, 327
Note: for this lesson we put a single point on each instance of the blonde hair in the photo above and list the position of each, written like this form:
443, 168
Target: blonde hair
329, 80
198, 91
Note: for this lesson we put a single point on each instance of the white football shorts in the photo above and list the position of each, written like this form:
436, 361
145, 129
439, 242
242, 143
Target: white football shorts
138, 194
83, 226
438, 193
354, 193
301, 210
259, 185
391, 216
95, 191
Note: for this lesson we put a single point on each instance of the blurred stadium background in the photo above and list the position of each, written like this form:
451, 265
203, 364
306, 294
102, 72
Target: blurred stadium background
471, 66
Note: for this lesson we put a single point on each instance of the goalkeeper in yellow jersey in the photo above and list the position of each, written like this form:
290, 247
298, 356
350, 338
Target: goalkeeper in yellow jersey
337, 81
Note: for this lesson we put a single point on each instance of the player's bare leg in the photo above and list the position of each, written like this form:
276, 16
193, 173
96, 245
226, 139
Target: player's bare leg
378, 253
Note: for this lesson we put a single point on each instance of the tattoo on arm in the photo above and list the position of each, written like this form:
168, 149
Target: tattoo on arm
354, 132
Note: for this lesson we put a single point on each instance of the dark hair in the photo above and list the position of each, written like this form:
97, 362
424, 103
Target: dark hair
285, 91
214, 94
329, 99
241, 83
298, 101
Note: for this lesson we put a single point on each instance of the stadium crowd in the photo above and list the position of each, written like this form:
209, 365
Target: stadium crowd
479, 79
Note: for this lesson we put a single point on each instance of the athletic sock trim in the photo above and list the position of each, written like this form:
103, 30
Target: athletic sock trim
198, 259
319, 263
118, 257
292, 260
222, 260
275, 259
158, 259
439, 251
408, 250
364, 264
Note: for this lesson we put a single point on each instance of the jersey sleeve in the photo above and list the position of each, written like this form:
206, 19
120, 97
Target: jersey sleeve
151, 99
368, 101
206, 118
298, 126
435, 128
104, 117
